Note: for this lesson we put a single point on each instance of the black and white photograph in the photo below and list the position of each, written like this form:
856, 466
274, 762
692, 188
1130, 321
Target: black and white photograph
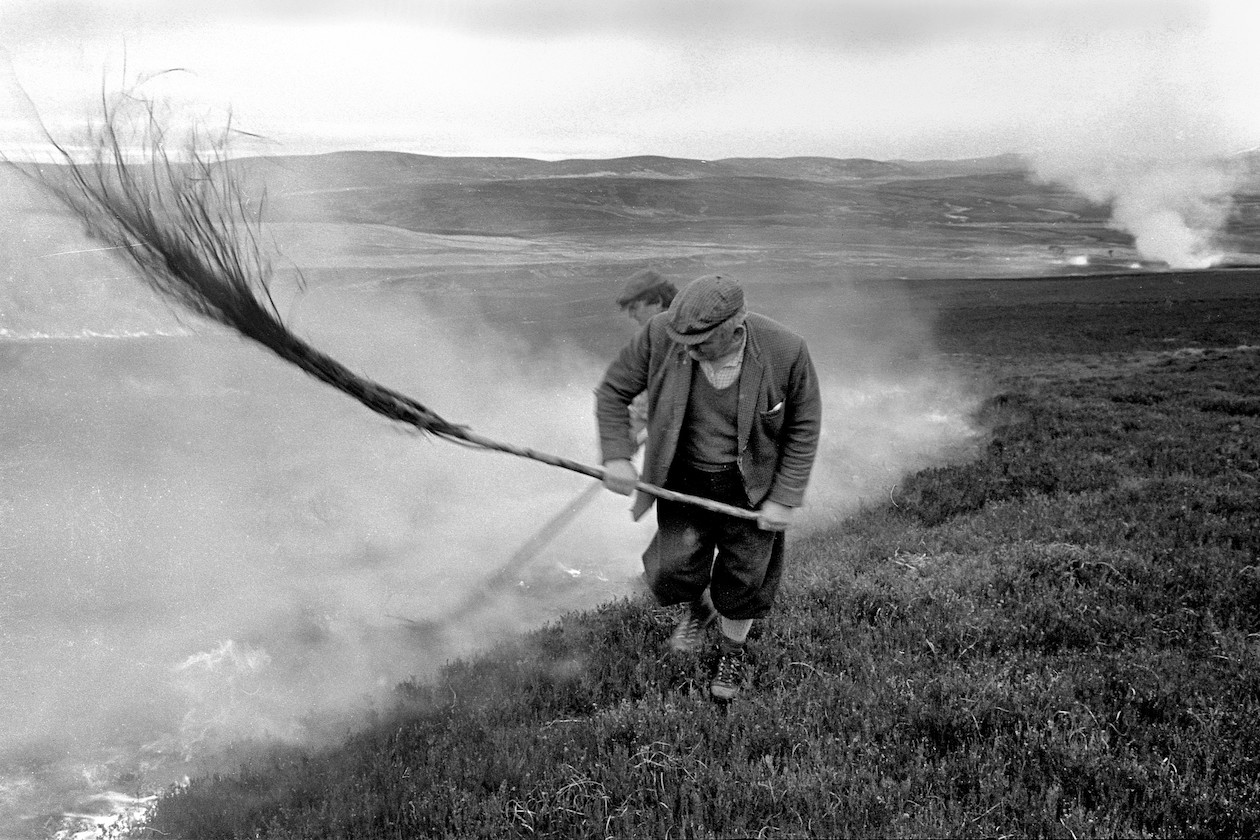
629, 419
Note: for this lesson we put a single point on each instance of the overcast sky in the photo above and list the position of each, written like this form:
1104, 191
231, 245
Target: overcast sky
688, 78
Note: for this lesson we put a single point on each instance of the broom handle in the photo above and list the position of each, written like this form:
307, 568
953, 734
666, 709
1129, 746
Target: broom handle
598, 472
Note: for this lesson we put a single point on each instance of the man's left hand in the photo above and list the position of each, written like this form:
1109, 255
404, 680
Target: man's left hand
772, 516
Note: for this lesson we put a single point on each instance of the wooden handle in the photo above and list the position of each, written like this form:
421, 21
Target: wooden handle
598, 472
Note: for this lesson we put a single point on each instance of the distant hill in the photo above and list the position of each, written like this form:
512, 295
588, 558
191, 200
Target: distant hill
342, 169
525, 197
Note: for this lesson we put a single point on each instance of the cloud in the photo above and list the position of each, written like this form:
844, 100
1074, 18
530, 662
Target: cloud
854, 24
560, 78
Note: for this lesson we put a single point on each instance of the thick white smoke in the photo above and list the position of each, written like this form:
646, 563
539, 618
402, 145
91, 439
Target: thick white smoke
1159, 140
1174, 206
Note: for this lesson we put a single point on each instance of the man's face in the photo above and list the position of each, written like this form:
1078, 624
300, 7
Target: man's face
641, 312
720, 342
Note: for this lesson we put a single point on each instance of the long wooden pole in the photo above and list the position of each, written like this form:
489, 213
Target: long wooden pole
598, 472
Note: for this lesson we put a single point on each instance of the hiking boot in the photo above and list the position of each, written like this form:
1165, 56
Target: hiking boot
688, 634
730, 673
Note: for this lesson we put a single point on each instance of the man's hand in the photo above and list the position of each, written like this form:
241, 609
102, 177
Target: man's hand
772, 516
620, 476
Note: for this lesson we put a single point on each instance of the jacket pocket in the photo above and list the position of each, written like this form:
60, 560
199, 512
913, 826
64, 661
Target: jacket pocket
772, 419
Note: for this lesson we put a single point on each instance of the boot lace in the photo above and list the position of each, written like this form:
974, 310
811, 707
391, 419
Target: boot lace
730, 669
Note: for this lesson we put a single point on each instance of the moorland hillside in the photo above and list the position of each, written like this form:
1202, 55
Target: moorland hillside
1055, 638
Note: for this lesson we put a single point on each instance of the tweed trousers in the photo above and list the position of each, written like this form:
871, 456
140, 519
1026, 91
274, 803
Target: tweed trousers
695, 548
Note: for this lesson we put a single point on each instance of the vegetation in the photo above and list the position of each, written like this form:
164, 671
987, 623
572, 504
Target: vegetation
1058, 638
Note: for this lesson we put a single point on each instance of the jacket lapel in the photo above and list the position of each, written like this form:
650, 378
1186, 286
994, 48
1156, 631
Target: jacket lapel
749, 389
682, 383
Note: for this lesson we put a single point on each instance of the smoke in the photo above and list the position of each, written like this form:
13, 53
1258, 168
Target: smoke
56, 282
881, 429
1159, 140
891, 405
1174, 206
205, 546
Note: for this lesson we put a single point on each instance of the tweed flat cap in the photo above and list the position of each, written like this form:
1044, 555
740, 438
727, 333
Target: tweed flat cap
702, 306
640, 283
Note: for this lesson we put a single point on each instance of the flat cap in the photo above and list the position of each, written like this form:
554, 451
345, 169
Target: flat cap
702, 306
640, 283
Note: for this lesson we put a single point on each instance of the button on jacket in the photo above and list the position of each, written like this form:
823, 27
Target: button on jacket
779, 415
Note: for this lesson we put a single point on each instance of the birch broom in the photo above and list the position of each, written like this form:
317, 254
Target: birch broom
192, 232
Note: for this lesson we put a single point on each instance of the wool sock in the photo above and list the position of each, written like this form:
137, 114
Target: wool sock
735, 630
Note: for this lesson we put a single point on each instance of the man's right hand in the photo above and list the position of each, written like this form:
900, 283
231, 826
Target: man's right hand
620, 476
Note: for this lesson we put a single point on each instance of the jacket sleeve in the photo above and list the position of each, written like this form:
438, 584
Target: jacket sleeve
801, 430
625, 378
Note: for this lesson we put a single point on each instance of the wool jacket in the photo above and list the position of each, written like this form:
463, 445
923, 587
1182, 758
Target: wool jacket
779, 415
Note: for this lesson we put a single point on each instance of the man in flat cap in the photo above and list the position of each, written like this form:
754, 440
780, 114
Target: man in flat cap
645, 295
734, 415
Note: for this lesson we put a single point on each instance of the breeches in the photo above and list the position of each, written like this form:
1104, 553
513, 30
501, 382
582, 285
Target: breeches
694, 548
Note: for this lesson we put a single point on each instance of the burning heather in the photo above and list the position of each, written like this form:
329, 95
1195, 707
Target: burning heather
1173, 209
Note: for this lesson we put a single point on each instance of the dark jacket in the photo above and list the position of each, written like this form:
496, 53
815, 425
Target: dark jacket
779, 416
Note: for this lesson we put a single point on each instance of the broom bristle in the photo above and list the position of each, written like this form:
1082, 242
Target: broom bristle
193, 234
